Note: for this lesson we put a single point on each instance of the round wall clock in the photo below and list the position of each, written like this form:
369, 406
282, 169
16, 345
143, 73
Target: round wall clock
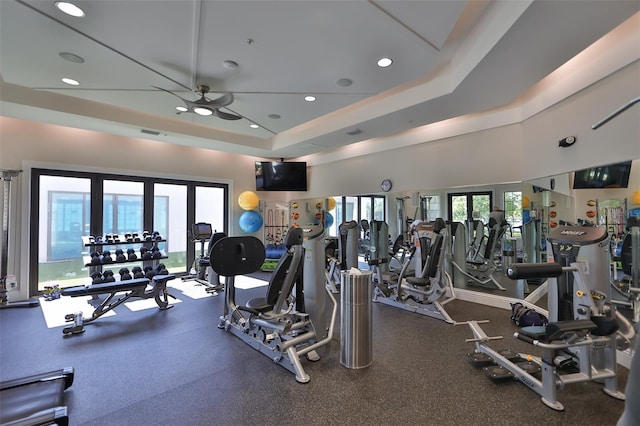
386, 185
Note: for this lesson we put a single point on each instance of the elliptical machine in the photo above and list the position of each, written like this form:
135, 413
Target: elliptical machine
202, 233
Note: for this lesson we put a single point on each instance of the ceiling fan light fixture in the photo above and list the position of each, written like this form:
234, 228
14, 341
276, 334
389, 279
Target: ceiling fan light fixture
182, 109
202, 111
384, 62
70, 81
70, 9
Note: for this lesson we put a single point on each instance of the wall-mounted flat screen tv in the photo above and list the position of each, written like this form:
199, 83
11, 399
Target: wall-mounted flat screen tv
281, 176
609, 176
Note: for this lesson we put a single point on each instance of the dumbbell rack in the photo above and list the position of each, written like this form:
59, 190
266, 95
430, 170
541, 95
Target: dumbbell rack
93, 245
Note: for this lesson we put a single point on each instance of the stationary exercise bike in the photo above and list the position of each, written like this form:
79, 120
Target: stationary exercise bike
582, 335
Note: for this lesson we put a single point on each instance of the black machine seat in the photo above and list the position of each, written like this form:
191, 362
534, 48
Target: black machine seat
625, 252
433, 260
215, 237
277, 288
558, 330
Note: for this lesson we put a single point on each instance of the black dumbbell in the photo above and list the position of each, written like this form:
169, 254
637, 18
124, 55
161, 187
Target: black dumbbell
128, 237
95, 258
155, 253
161, 269
149, 272
135, 237
120, 257
96, 278
124, 274
137, 272
106, 257
145, 253
131, 254
108, 276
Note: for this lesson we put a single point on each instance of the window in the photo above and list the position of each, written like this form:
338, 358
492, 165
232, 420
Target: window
469, 206
513, 211
67, 205
430, 207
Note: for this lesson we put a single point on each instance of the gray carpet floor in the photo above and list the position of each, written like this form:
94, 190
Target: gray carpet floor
175, 367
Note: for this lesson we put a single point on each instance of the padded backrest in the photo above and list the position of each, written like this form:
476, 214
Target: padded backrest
433, 261
495, 233
625, 255
287, 271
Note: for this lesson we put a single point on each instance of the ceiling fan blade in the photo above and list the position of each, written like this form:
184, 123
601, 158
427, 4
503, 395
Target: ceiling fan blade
226, 115
222, 101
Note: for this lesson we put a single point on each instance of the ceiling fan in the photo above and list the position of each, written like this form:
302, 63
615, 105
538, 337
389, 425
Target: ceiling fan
204, 106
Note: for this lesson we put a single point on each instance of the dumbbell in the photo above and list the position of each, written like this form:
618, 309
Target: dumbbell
161, 269
156, 236
128, 237
106, 257
124, 274
108, 276
95, 258
149, 272
120, 257
145, 253
155, 253
135, 237
96, 278
131, 254
137, 272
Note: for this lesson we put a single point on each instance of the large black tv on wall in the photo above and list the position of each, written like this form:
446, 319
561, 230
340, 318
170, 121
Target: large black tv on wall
281, 176
609, 176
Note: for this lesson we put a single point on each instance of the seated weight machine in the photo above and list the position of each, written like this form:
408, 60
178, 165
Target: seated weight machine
134, 288
629, 286
583, 333
282, 325
202, 233
426, 294
479, 269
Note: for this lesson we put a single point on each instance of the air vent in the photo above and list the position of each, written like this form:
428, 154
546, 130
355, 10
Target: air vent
354, 132
150, 132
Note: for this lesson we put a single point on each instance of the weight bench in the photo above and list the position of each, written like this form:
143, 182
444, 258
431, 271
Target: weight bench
135, 288
36, 400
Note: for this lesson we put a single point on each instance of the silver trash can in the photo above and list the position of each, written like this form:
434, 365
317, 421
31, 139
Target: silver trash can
356, 292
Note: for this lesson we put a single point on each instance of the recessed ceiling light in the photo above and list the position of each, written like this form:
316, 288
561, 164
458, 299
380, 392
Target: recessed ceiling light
70, 9
202, 111
384, 62
309, 98
182, 109
229, 64
70, 81
71, 57
344, 82
254, 126
274, 116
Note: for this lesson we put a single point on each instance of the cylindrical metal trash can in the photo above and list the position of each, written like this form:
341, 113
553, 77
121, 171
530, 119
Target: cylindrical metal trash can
356, 294
508, 253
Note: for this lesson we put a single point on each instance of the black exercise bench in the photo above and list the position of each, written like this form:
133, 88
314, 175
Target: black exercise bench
135, 288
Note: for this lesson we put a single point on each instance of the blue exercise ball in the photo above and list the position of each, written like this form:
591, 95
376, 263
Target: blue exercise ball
328, 220
250, 221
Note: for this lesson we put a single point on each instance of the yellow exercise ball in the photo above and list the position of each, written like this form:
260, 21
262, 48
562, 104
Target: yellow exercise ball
332, 203
636, 197
526, 202
248, 200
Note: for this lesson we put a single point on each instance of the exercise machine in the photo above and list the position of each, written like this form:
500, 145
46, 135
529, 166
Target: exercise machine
36, 399
7, 176
281, 325
629, 286
202, 233
134, 288
348, 244
425, 294
480, 270
583, 332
